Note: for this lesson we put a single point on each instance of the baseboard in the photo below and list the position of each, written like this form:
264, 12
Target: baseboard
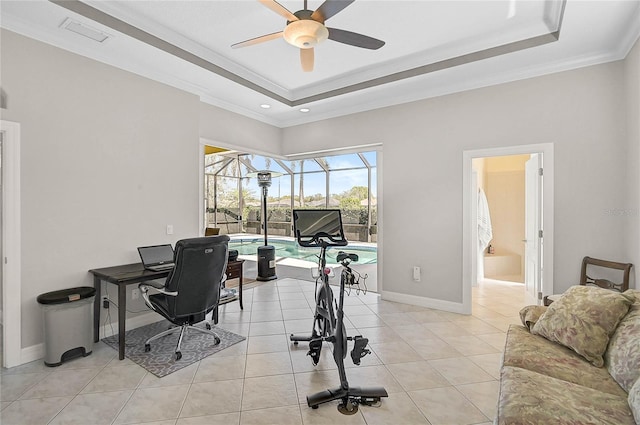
424, 302
32, 353
36, 352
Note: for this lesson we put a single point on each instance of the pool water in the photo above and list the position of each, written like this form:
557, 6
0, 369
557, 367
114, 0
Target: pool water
291, 249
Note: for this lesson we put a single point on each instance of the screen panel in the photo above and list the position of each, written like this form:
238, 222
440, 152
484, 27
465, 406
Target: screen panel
313, 226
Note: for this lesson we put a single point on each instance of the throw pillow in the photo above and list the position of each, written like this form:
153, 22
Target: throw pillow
623, 354
634, 401
583, 319
530, 314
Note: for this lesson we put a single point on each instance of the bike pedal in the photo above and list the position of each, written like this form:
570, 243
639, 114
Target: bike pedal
359, 349
315, 346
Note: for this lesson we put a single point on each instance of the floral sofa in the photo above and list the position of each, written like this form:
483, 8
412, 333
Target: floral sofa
574, 362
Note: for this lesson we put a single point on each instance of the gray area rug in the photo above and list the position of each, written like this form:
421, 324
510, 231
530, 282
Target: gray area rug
161, 359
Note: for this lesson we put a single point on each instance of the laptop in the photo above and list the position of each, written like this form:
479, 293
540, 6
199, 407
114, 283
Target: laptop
156, 258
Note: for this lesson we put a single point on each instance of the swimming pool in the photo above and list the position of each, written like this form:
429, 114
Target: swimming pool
290, 248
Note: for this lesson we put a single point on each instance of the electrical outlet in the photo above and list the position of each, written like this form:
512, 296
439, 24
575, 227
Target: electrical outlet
169, 229
135, 294
105, 302
416, 273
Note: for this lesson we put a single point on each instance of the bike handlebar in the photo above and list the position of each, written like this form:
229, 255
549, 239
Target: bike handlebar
319, 239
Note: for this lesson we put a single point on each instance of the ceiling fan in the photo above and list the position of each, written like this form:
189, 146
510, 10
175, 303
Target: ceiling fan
305, 29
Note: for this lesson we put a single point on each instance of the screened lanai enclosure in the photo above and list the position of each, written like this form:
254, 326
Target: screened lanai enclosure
233, 199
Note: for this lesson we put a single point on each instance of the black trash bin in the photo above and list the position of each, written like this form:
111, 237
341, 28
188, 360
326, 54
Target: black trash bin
68, 323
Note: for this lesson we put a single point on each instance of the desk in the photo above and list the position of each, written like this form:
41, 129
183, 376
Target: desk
129, 274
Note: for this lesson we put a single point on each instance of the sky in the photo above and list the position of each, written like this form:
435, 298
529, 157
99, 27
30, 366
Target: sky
340, 180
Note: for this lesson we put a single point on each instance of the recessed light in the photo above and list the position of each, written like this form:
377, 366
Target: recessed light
304, 110
265, 106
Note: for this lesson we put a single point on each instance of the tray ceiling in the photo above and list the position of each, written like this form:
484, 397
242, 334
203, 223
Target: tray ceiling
431, 47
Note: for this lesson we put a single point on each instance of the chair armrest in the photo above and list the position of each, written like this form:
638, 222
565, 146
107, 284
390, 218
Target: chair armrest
144, 289
152, 283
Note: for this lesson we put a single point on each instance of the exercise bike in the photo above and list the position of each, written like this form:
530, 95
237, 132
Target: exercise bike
323, 229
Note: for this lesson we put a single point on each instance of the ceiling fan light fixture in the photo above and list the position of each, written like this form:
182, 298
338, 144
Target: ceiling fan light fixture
305, 33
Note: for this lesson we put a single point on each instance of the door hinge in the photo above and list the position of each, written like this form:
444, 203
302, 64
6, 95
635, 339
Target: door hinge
540, 233
540, 172
539, 295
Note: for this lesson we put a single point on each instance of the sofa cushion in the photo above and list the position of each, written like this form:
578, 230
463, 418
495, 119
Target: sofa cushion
528, 397
583, 319
634, 400
622, 357
537, 354
530, 314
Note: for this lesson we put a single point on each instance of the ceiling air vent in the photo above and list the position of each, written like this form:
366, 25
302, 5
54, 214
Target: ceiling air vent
84, 30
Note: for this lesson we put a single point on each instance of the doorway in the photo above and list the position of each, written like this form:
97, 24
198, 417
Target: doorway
531, 257
508, 219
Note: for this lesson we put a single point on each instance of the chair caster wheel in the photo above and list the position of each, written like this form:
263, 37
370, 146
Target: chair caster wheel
178, 355
208, 326
147, 348
348, 408
217, 340
296, 343
314, 407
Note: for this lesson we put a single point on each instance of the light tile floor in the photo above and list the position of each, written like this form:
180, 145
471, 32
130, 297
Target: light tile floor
438, 368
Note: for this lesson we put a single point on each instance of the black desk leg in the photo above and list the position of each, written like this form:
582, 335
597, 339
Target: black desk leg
240, 289
96, 310
122, 317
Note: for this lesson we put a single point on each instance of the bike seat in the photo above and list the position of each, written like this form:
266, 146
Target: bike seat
343, 255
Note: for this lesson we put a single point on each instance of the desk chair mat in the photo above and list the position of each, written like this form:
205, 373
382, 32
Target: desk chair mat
161, 359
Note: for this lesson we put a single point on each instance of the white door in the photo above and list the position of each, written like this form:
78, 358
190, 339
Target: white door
533, 229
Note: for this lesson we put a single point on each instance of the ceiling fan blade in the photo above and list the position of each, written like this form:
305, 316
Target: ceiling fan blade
279, 9
257, 40
306, 59
329, 8
354, 39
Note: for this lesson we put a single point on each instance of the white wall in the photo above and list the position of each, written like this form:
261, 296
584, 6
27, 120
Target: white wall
632, 207
227, 129
108, 159
582, 112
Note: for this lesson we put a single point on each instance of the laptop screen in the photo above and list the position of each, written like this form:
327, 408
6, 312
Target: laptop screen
158, 254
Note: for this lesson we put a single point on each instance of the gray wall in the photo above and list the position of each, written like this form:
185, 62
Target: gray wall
227, 129
582, 112
108, 159
632, 207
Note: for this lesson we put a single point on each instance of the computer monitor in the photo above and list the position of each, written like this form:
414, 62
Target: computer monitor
313, 227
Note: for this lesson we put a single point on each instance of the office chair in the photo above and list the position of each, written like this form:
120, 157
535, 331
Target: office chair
192, 289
